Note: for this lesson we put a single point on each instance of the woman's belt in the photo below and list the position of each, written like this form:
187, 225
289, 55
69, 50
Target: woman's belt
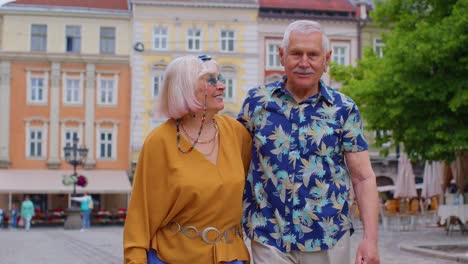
193, 232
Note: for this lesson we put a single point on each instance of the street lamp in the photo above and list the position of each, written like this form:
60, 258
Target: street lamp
75, 156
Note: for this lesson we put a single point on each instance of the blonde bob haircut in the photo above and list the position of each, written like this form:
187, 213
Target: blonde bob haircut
178, 93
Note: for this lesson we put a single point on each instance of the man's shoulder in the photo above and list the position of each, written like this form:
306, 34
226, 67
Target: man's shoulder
338, 97
264, 89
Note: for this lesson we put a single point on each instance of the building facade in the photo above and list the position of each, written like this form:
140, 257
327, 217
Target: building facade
65, 73
165, 30
338, 19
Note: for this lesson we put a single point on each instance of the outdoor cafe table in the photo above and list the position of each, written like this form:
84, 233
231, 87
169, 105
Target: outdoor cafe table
460, 211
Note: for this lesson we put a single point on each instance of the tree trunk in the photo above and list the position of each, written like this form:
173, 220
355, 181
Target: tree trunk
462, 171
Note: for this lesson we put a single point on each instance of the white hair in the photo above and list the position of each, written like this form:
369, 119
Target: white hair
179, 87
304, 26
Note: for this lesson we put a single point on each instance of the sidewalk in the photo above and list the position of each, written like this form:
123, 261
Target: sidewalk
103, 245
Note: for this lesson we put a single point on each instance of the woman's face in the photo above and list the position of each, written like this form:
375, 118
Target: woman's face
211, 84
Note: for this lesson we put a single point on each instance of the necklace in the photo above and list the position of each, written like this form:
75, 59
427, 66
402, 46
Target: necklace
212, 147
178, 122
202, 141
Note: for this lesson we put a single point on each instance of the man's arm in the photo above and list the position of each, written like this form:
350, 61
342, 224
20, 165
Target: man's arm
365, 188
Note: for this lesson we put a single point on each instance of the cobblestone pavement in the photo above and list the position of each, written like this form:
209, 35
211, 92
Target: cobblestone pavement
103, 245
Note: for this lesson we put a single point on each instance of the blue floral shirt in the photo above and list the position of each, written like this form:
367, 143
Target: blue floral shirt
298, 183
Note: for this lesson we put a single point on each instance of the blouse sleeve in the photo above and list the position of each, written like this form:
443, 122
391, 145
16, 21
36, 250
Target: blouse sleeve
148, 205
246, 148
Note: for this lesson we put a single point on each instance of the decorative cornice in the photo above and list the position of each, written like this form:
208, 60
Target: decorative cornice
200, 4
65, 12
108, 121
36, 118
33, 69
216, 55
73, 70
65, 58
72, 120
280, 17
108, 72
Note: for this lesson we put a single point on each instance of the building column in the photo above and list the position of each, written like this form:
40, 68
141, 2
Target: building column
89, 115
54, 160
5, 76
179, 42
211, 37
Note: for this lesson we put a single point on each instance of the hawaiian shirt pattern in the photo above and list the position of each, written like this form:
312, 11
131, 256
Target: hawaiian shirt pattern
298, 184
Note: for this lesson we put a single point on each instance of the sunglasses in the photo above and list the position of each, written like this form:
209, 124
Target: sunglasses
213, 80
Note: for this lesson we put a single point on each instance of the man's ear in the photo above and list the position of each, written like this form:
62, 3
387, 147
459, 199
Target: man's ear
281, 55
327, 57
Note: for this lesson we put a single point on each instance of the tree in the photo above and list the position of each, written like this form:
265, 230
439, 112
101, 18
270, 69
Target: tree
418, 91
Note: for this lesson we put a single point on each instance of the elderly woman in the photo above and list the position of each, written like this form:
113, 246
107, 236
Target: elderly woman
186, 203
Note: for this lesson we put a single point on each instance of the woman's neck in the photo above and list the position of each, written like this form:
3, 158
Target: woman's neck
193, 121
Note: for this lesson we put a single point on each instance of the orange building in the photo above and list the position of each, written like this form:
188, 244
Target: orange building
65, 73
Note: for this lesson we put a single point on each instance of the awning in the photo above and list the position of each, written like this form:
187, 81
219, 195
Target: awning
50, 181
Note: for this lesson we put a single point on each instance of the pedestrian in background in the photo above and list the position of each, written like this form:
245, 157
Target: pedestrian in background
13, 214
85, 206
2, 217
308, 145
27, 212
186, 203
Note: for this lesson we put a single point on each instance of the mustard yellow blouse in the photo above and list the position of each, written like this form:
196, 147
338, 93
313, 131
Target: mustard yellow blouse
190, 190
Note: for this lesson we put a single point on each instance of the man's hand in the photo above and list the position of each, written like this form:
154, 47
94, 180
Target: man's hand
367, 252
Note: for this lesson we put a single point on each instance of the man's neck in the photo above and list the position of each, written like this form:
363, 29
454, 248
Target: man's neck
301, 94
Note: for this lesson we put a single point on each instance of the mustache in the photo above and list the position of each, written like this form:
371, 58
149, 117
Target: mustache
303, 71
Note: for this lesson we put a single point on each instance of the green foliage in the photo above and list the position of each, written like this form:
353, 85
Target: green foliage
418, 91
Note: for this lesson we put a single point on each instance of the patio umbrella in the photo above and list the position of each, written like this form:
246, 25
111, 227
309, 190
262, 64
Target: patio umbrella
432, 184
405, 186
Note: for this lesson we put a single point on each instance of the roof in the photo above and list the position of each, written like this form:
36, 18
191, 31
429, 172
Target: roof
91, 4
335, 5
50, 181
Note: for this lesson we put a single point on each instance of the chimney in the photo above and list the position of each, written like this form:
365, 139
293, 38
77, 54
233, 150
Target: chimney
362, 10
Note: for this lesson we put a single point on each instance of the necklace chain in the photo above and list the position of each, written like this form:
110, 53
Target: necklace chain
202, 141
179, 121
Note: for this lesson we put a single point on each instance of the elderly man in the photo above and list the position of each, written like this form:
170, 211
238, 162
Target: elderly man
308, 145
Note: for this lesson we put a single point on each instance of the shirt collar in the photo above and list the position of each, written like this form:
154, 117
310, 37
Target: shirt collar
325, 92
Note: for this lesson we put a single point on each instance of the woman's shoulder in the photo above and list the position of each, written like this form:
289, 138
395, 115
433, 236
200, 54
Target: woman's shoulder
228, 121
160, 133
231, 124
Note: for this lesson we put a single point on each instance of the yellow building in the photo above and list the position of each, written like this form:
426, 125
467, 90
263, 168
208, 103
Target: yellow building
164, 30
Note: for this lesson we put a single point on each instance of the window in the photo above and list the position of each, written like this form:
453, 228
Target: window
35, 138
105, 144
227, 40
159, 38
272, 56
38, 37
230, 76
157, 84
67, 138
340, 54
229, 92
73, 38
107, 91
72, 91
107, 40
378, 46
194, 39
37, 89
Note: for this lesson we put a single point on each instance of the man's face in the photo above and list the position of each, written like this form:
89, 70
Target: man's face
304, 61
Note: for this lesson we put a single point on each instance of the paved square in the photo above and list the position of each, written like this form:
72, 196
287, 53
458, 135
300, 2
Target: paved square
103, 245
